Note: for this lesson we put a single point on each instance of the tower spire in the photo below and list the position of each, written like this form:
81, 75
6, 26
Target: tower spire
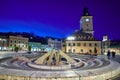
86, 23
86, 12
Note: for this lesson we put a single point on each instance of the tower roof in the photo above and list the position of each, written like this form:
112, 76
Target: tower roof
86, 12
82, 36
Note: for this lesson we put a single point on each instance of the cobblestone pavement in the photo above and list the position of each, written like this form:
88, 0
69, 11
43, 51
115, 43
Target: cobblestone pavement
117, 58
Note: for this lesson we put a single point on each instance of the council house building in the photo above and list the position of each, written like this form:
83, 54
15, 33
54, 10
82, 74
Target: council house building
84, 40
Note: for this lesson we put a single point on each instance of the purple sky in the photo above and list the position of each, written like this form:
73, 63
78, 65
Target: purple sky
59, 18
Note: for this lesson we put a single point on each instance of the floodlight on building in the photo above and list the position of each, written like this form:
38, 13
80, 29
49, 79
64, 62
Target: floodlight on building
71, 38
105, 38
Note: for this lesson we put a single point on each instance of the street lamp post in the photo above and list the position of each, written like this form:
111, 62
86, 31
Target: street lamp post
4, 41
1, 44
71, 38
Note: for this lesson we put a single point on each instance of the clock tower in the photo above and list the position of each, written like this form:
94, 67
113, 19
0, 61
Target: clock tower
86, 23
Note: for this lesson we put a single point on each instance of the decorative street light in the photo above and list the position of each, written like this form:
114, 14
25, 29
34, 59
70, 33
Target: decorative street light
71, 38
2, 41
0, 44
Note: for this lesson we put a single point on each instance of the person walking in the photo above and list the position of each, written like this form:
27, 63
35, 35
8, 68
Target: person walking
108, 54
113, 54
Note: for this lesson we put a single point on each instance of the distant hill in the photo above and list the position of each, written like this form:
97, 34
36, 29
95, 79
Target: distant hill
32, 36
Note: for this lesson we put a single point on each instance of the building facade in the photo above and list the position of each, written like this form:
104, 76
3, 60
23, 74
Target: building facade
18, 41
83, 40
54, 43
86, 47
105, 44
46, 48
114, 47
3, 43
35, 46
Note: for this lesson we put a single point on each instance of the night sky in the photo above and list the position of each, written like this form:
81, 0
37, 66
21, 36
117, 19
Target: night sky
59, 18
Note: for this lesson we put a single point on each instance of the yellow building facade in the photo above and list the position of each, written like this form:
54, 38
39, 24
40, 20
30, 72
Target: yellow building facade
18, 41
86, 47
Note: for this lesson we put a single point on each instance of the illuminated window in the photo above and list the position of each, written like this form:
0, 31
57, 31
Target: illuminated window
78, 44
90, 50
73, 44
84, 37
15, 45
69, 50
90, 44
10, 44
86, 24
95, 44
81, 50
84, 44
104, 51
73, 50
69, 44
63, 45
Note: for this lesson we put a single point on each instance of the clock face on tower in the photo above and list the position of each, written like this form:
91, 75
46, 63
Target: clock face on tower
87, 19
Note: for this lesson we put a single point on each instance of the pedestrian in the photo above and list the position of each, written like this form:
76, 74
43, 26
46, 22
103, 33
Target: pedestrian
108, 54
113, 54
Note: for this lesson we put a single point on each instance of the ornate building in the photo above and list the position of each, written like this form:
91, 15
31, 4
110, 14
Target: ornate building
86, 23
3, 43
54, 43
18, 41
114, 47
35, 46
105, 44
84, 40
